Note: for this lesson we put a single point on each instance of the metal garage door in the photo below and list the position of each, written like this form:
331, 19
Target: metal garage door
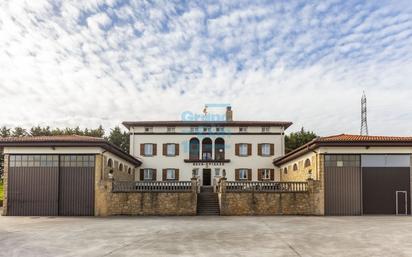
33, 185
342, 185
386, 184
76, 191
40, 185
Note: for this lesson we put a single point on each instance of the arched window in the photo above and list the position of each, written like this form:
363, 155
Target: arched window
110, 163
129, 171
120, 167
285, 170
219, 148
307, 163
295, 167
194, 149
207, 149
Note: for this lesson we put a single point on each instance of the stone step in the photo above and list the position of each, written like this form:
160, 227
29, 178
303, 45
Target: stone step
207, 202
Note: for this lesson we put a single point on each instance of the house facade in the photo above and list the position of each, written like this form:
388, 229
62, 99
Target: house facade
180, 150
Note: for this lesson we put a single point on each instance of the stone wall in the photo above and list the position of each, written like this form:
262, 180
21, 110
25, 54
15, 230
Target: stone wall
272, 203
127, 174
302, 173
5, 182
145, 203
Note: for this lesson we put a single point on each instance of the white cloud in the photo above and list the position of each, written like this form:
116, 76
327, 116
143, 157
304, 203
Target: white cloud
102, 62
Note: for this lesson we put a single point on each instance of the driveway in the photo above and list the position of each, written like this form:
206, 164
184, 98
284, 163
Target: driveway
206, 236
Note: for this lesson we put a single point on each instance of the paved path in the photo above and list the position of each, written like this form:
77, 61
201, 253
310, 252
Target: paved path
206, 236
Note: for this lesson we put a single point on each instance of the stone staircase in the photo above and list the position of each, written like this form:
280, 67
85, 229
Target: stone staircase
207, 202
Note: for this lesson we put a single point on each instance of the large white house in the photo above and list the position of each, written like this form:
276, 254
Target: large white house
179, 150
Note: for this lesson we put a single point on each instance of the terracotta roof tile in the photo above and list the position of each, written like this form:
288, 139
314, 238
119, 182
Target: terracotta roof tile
358, 138
129, 124
62, 138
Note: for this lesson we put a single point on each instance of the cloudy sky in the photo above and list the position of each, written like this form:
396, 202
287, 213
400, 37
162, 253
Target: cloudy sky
67, 63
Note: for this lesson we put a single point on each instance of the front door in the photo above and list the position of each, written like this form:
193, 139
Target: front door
206, 177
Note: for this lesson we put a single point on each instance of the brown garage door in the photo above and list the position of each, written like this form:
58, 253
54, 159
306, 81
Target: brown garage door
380, 185
76, 192
33, 185
41, 185
342, 185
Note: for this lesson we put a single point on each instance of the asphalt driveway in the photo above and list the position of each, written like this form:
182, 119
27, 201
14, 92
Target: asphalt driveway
206, 236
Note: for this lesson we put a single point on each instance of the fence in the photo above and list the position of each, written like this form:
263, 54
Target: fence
261, 186
151, 186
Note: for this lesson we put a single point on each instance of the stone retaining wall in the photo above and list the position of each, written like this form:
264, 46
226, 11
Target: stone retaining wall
273, 203
144, 203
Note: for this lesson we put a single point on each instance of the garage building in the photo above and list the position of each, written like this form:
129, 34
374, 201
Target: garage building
58, 175
359, 174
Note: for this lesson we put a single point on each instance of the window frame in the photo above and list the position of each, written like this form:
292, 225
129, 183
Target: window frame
173, 172
268, 149
265, 129
150, 172
171, 129
246, 149
242, 129
152, 149
264, 173
245, 171
148, 129
167, 150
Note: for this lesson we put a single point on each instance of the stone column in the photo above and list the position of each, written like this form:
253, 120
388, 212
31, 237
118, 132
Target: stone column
5, 183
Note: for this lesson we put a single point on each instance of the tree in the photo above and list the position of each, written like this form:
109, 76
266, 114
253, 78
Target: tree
5, 132
296, 139
119, 138
19, 131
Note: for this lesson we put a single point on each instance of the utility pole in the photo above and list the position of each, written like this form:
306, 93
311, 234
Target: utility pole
364, 116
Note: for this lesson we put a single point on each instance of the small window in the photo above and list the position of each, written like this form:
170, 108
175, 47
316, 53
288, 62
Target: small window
207, 129
129, 171
266, 174
171, 149
266, 149
217, 172
194, 129
220, 129
171, 129
148, 129
265, 129
120, 167
171, 174
307, 163
285, 170
148, 149
243, 149
243, 129
148, 174
243, 174
295, 167
195, 172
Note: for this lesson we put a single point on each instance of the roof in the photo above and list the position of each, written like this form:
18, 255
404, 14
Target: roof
180, 123
344, 140
67, 141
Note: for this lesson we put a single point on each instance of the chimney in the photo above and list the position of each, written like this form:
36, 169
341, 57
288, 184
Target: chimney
229, 113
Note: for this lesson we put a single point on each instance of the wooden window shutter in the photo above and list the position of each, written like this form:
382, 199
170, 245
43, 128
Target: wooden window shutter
164, 149
272, 149
237, 149
164, 174
141, 174
260, 149
236, 174
142, 149
177, 174
154, 149
176, 149
249, 174
272, 174
249, 149
260, 174
154, 174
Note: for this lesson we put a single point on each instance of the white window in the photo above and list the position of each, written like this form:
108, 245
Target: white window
265, 129
220, 129
148, 174
243, 149
266, 174
266, 149
217, 172
170, 174
171, 129
148, 149
195, 172
171, 149
148, 129
194, 129
243, 174
243, 129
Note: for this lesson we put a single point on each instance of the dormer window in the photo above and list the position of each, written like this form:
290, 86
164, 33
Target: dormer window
171, 129
148, 129
243, 129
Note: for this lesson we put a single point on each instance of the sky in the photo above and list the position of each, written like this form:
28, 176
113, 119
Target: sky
86, 63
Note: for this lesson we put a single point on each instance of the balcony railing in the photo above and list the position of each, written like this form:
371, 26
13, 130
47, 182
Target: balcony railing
151, 186
249, 186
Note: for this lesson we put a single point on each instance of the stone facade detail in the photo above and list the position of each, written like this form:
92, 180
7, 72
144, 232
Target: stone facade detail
273, 203
302, 173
